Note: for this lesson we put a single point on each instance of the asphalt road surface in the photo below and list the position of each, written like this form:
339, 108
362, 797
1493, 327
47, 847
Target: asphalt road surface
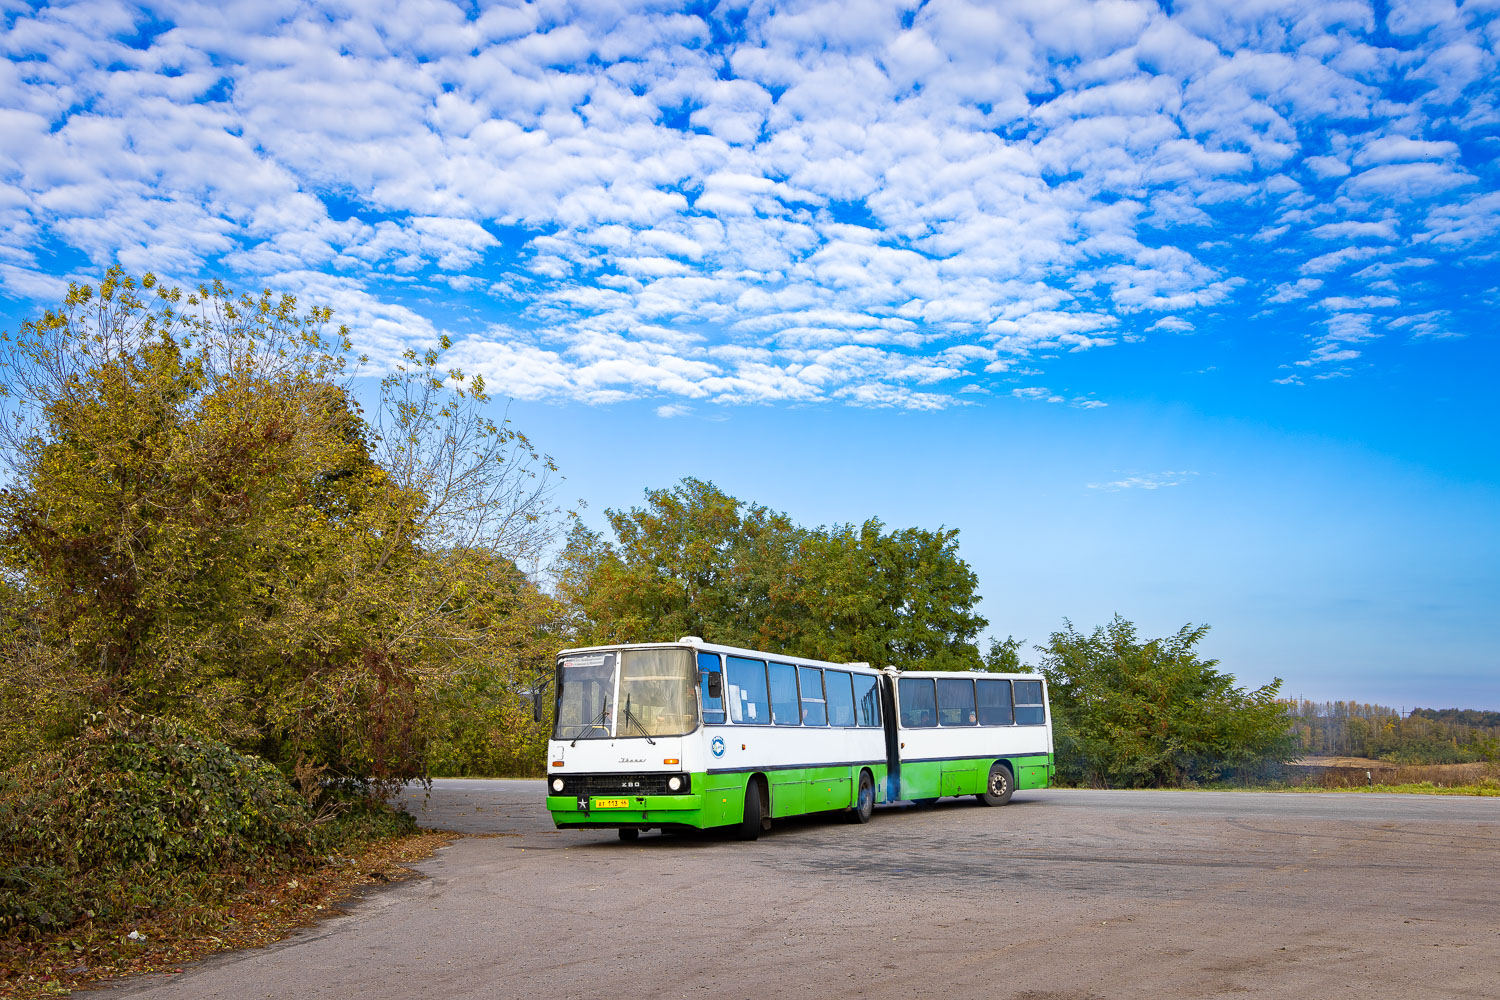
1062, 895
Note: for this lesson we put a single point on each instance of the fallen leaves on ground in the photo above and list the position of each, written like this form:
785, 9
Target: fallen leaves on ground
250, 916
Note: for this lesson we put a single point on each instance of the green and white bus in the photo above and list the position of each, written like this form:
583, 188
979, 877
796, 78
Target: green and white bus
694, 734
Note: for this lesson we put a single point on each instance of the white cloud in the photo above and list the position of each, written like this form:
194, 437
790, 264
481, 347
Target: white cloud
1291, 291
1148, 481
1384, 230
831, 202
1336, 259
1403, 150
1343, 302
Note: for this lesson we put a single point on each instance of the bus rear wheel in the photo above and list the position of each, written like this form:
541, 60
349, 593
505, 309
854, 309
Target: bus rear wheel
750, 824
999, 787
864, 805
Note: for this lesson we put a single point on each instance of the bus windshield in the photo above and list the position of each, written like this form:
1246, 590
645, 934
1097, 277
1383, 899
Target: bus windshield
658, 686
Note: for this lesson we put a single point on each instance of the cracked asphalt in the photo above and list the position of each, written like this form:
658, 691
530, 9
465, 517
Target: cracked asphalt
1062, 895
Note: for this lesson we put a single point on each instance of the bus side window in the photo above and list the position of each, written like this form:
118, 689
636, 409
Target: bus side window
867, 699
840, 698
784, 708
955, 699
994, 703
814, 707
748, 704
711, 679
1030, 711
918, 703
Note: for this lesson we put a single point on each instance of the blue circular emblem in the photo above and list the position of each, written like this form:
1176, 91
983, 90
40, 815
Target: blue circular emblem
717, 746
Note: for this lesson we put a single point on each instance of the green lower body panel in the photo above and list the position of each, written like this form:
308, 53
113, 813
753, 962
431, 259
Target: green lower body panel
638, 810
932, 779
718, 799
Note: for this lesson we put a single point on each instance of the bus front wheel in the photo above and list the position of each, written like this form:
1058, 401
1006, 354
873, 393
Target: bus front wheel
999, 787
750, 824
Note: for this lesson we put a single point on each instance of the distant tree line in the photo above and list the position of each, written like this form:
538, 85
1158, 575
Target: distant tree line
1424, 736
1470, 717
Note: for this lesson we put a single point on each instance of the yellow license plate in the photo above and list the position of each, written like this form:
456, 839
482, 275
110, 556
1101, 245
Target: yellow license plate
611, 803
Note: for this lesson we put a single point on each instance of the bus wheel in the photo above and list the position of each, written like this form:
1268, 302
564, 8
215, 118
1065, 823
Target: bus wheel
628, 833
997, 791
864, 806
750, 825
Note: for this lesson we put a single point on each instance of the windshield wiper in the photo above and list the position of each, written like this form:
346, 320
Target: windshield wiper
594, 723
631, 720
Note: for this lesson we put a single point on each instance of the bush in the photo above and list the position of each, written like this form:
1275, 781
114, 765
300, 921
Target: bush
134, 815
1134, 714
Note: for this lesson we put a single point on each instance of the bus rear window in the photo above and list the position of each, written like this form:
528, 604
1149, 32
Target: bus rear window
918, 703
867, 700
1030, 711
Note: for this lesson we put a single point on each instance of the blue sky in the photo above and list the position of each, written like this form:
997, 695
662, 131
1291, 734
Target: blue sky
1180, 311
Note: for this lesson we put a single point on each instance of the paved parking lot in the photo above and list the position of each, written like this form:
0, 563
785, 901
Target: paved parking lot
1062, 895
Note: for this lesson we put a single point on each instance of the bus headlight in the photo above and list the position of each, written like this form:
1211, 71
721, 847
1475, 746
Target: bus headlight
674, 783
557, 784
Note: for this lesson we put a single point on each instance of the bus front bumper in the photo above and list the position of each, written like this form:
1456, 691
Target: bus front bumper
603, 812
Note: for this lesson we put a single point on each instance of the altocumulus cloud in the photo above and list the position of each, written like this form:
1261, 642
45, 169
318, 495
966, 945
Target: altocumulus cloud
880, 204
1149, 481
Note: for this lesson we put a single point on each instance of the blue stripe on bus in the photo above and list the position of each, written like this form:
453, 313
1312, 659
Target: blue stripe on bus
975, 756
791, 767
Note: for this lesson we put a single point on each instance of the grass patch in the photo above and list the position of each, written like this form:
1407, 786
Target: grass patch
1482, 787
1485, 786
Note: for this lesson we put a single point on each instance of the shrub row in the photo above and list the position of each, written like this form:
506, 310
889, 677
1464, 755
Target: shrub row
139, 814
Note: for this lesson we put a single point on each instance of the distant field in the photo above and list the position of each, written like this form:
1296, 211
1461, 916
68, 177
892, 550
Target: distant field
1347, 772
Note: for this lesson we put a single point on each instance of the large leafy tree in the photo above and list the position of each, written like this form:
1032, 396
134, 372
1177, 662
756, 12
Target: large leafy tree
1133, 713
202, 523
696, 561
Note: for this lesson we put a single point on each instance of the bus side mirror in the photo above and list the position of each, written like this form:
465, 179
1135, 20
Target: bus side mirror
716, 685
536, 705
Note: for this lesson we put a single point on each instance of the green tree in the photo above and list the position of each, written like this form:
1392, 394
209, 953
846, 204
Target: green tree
202, 524
692, 561
1131, 713
902, 598
1004, 656
695, 561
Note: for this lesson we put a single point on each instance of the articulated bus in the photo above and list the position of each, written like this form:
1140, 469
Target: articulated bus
690, 734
